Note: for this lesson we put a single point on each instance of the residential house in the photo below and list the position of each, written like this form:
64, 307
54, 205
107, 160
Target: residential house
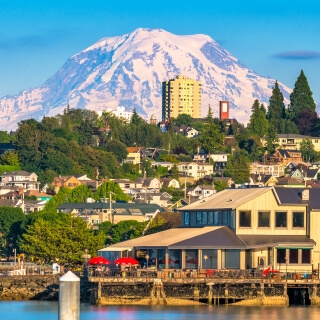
283, 157
269, 169
65, 181
290, 141
21, 179
202, 191
165, 164
191, 133
162, 199
168, 182
240, 229
219, 161
96, 212
195, 170
134, 155
140, 183
288, 182
263, 180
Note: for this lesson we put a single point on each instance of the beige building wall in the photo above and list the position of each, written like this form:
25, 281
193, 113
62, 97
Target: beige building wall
267, 202
181, 95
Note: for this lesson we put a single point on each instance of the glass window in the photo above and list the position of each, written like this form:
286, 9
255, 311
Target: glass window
209, 259
298, 219
225, 218
306, 256
191, 259
204, 217
281, 219
232, 259
232, 221
199, 216
293, 256
216, 218
263, 219
174, 259
245, 219
210, 217
186, 217
281, 255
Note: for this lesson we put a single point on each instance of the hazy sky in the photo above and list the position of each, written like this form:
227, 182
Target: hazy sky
274, 38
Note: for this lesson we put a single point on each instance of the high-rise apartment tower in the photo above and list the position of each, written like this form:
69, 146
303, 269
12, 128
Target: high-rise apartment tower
181, 95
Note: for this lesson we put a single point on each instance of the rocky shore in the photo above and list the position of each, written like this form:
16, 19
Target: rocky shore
35, 287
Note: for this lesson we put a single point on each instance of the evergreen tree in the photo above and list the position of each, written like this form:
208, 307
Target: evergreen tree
276, 110
258, 123
301, 97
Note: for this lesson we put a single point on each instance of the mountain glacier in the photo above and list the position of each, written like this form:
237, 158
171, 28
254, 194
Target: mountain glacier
128, 71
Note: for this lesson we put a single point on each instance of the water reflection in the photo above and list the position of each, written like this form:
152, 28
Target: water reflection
38, 310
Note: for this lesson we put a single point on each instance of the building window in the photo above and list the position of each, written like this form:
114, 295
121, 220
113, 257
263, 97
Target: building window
293, 256
216, 218
186, 217
306, 256
199, 217
263, 219
298, 219
281, 255
281, 219
204, 218
245, 219
210, 217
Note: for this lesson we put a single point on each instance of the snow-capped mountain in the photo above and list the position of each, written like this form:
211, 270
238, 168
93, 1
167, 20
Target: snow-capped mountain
129, 70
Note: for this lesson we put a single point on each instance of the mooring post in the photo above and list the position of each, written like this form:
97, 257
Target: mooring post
69, 297
210, 294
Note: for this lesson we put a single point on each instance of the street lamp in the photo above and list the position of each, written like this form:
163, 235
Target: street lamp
147, 257
205, 257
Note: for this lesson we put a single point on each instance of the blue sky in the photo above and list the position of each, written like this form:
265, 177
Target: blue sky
274, 38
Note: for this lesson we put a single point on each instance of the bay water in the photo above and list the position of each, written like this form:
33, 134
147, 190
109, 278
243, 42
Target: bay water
40, 310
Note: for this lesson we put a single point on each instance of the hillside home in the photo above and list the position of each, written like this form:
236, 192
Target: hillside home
169, 183
283, 157
195, 170
219, 161
202, 191
269, 169
65, 181
293, 141
241, 229
133, 156
21, 179
263, 180
96, 212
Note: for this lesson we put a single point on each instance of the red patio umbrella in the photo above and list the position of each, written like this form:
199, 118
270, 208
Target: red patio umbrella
98, 260
127, 261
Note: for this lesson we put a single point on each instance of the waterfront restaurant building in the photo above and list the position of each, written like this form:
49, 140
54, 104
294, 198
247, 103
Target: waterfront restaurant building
237, 229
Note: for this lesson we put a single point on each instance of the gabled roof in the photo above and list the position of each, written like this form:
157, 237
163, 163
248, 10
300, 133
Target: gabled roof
227, 199
129, 207
311, 173
218, 238
211, 237
254, 241
293, 196
18, 173
290, 181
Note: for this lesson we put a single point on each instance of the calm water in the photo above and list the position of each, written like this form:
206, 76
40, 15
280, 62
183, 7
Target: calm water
25, 310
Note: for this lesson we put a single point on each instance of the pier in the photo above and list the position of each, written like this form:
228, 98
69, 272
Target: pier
216, 287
